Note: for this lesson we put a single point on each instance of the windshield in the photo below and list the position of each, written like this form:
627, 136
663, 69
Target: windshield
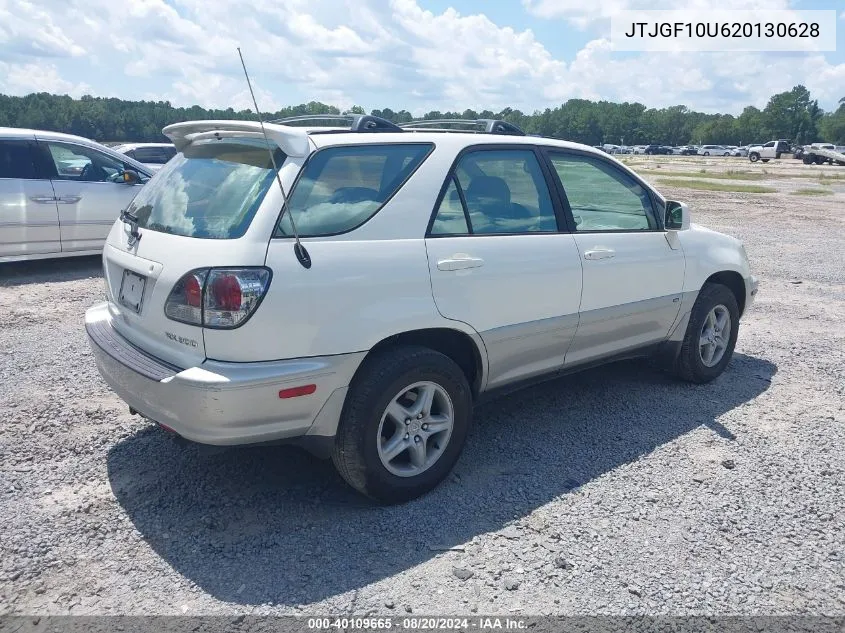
212, 189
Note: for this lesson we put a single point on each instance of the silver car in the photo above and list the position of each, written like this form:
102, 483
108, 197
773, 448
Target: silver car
60, 194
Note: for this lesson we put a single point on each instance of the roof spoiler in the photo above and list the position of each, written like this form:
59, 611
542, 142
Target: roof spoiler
292, 141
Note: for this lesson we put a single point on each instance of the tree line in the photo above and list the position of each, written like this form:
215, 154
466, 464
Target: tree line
793, 115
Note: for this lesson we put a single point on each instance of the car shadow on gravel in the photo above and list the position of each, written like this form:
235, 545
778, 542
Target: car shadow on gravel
273, 525
39, 271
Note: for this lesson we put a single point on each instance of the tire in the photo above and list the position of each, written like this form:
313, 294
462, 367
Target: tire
707, 153
777, 155
690, 364
808, 159
754, 157
365, 424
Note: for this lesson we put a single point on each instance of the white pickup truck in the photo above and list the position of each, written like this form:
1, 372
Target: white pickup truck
772, 149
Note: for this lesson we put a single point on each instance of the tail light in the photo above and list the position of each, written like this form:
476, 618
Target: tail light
221, 298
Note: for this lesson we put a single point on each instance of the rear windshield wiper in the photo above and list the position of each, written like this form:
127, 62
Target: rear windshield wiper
132, 220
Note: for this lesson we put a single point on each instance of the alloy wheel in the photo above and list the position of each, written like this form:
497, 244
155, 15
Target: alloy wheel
715, 335
415, 429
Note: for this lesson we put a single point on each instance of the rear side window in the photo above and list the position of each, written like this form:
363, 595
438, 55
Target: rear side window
212, 189
340, 188
16, 160
498, 191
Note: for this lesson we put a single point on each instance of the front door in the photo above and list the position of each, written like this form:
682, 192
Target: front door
29, 221
633, 278
499, 263
90, 193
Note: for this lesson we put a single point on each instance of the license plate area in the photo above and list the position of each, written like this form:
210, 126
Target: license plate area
132, 291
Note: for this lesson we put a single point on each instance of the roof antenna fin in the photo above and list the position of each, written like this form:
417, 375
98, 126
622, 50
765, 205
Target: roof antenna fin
298, 249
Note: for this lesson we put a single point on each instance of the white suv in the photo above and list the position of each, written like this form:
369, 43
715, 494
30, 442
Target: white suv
436, 267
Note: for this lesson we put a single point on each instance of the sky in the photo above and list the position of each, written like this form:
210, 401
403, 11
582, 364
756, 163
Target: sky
418, 55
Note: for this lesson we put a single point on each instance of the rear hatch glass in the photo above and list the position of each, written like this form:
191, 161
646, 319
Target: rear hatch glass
212, 189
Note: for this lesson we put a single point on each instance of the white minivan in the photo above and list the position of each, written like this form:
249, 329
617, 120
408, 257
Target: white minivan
60, 194
358, 290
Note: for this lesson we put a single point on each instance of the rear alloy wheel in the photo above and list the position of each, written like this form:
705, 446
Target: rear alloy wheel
404, 423
707, 153
711, 335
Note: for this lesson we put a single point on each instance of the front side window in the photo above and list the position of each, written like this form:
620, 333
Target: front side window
601, 197
340, 188
504, 191
212, 189
16, 160
84, 164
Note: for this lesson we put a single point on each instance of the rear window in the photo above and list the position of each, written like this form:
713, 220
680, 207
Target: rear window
155, 155
342, 187
212, 189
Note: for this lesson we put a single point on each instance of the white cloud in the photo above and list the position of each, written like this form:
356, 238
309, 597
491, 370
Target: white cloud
583, 13
375, 53
26, 30
27, 78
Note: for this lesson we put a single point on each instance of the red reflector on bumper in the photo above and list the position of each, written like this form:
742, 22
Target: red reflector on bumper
294, 392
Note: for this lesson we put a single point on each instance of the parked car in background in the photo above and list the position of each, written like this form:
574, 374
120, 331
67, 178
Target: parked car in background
713, 150
638, 149
740, 151
654, 149
220, 326
151, 155
767, 151
689, 150
60, 194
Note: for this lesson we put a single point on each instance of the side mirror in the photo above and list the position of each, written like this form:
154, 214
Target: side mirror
131, 177
677, 216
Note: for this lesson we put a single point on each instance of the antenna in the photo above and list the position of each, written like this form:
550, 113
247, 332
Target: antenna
298, 249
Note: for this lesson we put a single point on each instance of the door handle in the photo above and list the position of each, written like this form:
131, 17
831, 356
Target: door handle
68, 199
44, 199
599, 253
459, 261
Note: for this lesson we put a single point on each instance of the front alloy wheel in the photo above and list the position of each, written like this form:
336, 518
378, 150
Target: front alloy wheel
715, 334
711, 335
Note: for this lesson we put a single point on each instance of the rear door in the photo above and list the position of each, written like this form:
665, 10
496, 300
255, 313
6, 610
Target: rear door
500, 263
90, 192
29, 220
633, 279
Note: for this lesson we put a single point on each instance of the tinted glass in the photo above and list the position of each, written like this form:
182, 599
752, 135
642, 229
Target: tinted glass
505, 192
602, 197
16, 160
450, 218
343, 187
210, 190
156, 155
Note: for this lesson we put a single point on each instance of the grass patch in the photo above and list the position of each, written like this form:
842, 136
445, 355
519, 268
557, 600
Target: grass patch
812, 192
705, 185
726, 175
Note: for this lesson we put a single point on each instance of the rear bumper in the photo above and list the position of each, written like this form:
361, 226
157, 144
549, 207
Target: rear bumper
223, 403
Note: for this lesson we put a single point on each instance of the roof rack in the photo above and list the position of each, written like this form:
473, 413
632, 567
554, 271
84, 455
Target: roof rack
356, 122
488, 126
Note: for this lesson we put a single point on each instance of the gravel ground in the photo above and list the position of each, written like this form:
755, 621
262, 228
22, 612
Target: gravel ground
616, 491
